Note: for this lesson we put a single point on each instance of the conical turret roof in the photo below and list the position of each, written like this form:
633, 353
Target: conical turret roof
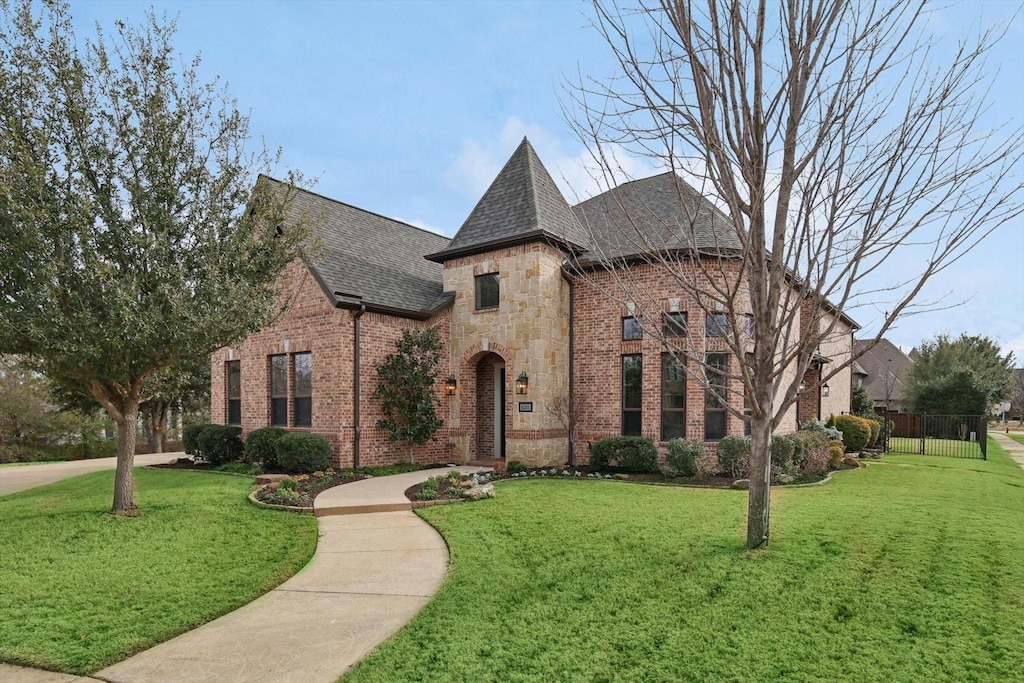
522, 205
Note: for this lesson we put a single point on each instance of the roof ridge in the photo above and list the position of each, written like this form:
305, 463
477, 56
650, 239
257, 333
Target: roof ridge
358, 208
530, 183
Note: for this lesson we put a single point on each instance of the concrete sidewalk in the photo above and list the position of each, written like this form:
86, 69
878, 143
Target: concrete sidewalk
20, 477
370, 575
1016, 450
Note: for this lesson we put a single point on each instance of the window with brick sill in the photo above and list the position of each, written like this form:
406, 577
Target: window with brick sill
716, 367
488, 291
673, 398
632, 329
302, 390
632, 394
673, 324
279, 391
233, 369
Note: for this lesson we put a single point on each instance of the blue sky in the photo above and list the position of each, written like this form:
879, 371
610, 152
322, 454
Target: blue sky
409, 109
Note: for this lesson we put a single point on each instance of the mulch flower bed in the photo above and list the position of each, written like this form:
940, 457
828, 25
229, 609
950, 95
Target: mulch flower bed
301, 489
448, 489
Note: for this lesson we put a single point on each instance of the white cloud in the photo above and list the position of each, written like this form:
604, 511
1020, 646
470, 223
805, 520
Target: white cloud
577, 175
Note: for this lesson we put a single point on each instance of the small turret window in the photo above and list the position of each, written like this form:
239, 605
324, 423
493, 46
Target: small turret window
487, 291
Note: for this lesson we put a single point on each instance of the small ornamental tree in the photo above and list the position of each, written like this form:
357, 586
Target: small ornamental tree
860, 403
405, 388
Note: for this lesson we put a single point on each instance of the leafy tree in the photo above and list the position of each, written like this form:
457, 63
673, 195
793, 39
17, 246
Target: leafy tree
133, 233
27, 412
405, 388
963, 376
860, 403
834, 140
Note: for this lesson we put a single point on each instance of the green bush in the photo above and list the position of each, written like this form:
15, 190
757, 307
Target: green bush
387, 470
835, 457
734, 456
190, 438
783, 448
876, 430
303, 452
429, 489
259, 446
682, 456
630, 453
13, 452
836, 443
515, 467
220, 444
856, 432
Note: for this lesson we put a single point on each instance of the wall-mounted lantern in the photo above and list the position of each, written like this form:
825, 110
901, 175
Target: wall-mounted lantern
800, 389
522, 383
451, 385
824, 390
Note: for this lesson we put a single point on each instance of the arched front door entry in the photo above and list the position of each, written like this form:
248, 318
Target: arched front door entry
490, 407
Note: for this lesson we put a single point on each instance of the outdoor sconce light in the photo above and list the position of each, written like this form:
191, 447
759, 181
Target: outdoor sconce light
824, 390
451, 385
522, 383
800, 389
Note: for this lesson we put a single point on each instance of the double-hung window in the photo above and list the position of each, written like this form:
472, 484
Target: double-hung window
279, 390
302, 390
632, 393
716, 367
673, 398
234, 391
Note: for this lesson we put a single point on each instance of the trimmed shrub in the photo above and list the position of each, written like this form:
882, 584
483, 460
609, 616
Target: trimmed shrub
816, 425
220, 444
682, 456
515, 467
783, 448
259, 446
835, 457
190, 438
813, 451
876, 430
303, 452
836, 443
856, 432
630, 453
734, 456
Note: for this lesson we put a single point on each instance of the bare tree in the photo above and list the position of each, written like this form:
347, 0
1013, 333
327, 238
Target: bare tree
845, 160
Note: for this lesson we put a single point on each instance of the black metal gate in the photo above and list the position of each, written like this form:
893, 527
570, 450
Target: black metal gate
951, 436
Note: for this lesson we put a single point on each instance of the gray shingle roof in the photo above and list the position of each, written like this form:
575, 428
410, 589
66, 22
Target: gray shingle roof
522, 203
356, 252
884, 365
660, 212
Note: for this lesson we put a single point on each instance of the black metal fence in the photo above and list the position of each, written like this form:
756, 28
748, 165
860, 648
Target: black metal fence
951, 436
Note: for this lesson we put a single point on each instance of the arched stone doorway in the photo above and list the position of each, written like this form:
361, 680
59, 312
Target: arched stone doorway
491, 405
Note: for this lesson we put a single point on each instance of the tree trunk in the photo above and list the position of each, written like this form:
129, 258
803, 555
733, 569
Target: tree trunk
411, 460
124, 483
758, 500
156, 426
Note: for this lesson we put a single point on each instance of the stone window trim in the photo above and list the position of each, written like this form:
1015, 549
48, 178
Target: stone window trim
632, 368
233, 392
716, 417
487, 292
632, 328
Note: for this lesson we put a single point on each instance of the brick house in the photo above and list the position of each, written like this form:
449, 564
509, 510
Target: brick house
516, 296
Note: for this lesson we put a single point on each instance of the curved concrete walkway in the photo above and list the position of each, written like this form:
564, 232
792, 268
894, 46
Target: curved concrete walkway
371, 574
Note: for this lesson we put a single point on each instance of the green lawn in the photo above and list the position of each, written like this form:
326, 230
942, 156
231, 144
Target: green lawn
907, 571
1019, 438
81, 589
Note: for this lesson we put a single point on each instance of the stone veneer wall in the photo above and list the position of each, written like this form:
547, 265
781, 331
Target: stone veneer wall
529, 330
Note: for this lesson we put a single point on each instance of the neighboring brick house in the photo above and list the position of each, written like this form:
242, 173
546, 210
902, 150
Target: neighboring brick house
516, 298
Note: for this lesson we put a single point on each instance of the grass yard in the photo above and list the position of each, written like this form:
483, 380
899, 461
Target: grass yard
81, 589
1019, 438
907, 571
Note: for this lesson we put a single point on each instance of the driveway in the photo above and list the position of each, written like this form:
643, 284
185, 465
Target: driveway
20, 477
